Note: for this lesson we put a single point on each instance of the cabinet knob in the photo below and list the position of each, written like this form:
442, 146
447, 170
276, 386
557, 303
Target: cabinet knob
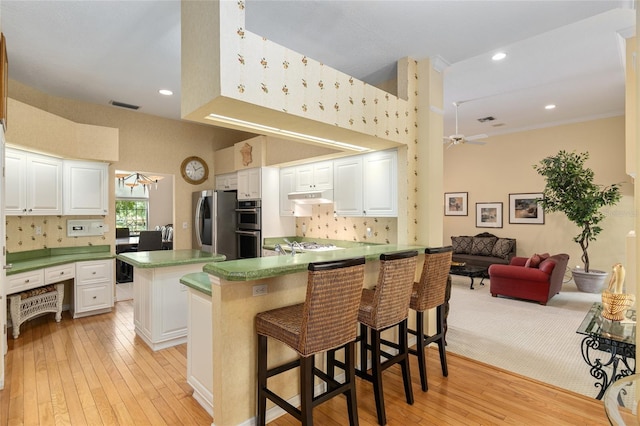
94, 297
94, 272
27, 280
62, 273
30, 210
24, 210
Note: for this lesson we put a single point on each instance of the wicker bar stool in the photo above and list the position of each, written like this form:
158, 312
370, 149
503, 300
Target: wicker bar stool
430, 293
382, 308
325, 321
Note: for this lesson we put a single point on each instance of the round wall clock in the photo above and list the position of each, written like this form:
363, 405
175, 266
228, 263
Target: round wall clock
194, 170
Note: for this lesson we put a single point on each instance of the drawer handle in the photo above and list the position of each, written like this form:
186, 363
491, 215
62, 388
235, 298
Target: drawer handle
94, 272
62, 273
94, 297
27, 280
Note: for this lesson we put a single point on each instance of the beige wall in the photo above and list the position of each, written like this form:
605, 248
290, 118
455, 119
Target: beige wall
505, 165
146, 143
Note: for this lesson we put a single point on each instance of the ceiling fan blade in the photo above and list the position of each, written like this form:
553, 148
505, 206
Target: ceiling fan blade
475, 142
476, 137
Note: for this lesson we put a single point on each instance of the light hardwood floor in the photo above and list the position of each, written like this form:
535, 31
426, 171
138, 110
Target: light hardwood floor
94, 371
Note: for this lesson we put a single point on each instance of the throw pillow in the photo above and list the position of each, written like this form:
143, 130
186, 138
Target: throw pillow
461, 245
534, 261
502, 248
482, 245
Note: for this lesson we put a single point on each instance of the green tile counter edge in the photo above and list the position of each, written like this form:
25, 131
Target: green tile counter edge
166, 258
25, 261
197, 281
273, 266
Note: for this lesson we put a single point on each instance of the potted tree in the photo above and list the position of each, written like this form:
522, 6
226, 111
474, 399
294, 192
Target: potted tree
570, 189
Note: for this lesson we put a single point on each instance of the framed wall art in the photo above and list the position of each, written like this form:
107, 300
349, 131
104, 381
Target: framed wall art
488, 215
523, 208
455, 204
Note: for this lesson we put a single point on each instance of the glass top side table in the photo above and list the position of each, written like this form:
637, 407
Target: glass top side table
609, 347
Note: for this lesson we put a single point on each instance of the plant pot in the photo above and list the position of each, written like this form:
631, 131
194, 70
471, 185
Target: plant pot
589, 282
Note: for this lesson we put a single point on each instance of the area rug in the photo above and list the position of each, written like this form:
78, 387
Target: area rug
523, 337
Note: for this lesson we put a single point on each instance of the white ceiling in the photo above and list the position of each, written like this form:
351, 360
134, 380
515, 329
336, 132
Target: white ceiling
562, 52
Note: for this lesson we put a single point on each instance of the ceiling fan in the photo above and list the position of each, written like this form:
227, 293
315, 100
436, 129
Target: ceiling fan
458, 138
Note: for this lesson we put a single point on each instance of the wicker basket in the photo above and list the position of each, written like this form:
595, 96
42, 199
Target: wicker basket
615, 305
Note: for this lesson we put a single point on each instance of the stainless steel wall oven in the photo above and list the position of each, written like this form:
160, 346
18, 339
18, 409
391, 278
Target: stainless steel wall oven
248, 232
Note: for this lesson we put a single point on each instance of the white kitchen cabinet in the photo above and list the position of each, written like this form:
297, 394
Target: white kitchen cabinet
366, 185
160, 304
25, 281
347, 195
94, 287
227, 182
249, 184
314, 176
287, 185
33, 184
380, 188
86, 188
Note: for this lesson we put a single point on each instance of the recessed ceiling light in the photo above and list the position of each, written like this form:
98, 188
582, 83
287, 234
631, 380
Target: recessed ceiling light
165, 92
550, 106
499, 56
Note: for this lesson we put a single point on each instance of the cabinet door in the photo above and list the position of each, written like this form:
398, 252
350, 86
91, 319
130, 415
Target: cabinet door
226, 182
287, 185
323, 175
304, 177
15, 182
255, 183
44, 185
347, 195
92, 297
86, 188
380, 194
243, 185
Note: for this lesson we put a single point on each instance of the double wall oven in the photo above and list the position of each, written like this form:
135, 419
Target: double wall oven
248, 229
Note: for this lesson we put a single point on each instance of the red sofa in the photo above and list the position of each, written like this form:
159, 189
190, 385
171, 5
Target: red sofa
537, 284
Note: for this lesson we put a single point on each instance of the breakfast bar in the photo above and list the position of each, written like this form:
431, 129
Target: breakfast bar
242, 288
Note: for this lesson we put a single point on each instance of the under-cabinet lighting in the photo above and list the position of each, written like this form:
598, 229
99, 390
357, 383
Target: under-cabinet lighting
296, 135
165, 92
550, 106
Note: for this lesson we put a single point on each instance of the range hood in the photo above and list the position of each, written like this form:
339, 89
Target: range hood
312, 197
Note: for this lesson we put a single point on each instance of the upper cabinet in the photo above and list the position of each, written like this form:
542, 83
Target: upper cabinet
249, 184
314, 176
86, 188
33, 184
367, 185
227, 182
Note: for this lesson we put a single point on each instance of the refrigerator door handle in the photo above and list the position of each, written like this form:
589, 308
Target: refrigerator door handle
197, 225
252, 233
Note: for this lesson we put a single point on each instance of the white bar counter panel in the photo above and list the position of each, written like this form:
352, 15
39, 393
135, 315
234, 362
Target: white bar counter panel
160, 302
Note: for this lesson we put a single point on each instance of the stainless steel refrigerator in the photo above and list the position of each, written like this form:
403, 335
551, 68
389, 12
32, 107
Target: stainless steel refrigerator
214, 222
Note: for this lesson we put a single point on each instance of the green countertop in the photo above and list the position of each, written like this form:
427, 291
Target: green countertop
165, 258
273, 266
197, 281
25, 261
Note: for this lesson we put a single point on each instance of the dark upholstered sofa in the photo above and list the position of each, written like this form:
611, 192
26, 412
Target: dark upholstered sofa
524, 279
483, 249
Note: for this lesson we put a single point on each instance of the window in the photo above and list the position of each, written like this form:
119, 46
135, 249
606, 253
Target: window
132, 214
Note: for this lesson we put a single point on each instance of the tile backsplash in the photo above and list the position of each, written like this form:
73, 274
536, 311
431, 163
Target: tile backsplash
323, 224
22, 233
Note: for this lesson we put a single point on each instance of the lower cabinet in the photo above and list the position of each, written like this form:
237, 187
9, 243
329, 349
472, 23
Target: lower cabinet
94, 287
200, 349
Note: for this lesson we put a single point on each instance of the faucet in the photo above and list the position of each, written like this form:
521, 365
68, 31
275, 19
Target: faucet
278, 248
292, 245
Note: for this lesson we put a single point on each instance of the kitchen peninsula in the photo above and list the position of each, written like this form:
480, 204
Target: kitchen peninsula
242, 288
159, 300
